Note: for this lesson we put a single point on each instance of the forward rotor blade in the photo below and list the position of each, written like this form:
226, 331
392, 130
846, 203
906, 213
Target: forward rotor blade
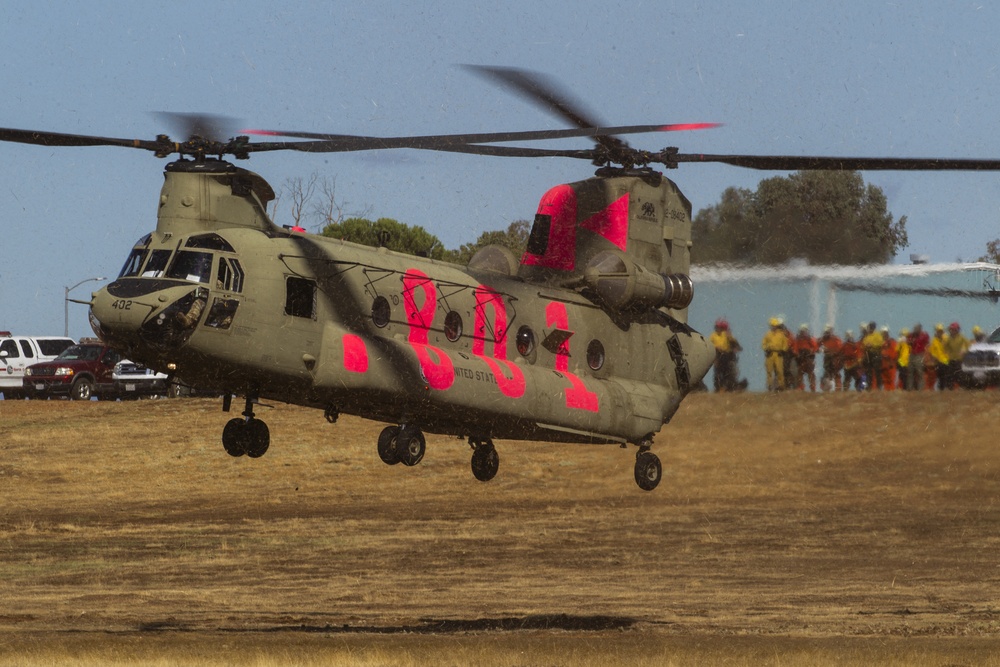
793, 163
207, 126
345, 142
60, 139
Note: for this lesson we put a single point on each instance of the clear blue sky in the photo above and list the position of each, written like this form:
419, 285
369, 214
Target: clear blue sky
860, 78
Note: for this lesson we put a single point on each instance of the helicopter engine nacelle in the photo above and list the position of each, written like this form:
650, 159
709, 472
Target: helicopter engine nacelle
622, 284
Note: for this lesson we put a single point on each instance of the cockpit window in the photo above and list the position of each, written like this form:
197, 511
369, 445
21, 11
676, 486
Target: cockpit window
193, 266
133, 263
209, 242
157, 264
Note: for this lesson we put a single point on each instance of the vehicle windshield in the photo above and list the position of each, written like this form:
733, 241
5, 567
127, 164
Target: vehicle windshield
80, 353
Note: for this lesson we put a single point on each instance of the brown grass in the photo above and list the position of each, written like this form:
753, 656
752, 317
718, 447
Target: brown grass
791, 529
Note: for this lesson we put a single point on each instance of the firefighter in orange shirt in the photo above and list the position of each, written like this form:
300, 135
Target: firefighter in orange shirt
851, 353
806, 348
833, 359
890, 355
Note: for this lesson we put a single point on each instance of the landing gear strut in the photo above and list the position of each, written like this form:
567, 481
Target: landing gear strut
246, 435
401, 444
485, 460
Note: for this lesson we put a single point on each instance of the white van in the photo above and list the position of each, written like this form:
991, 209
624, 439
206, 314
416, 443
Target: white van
19, 352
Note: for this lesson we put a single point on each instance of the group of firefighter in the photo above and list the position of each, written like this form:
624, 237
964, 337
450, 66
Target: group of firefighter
873, 361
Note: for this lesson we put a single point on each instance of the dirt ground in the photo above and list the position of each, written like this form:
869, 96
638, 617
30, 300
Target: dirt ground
787, 527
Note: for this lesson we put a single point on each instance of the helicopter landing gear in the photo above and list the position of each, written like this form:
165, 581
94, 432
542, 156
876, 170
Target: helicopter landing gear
648, 470
485, 460
246, 435
401, 444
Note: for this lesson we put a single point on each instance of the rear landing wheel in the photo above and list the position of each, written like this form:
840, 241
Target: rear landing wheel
647, 470
485, 461
410, 445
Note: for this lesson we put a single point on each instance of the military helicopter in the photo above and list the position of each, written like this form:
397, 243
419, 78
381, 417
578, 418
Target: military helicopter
583, 339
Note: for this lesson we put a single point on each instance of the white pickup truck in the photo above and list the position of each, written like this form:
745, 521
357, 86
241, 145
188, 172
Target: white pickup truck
19, 352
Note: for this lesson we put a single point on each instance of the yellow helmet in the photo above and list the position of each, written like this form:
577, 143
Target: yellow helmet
775, 322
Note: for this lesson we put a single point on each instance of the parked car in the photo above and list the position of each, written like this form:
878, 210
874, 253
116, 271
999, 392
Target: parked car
981, 364
133, 380
80, 372
19, 352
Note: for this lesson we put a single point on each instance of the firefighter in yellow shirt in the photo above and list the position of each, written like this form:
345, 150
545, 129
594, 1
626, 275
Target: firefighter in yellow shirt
903, 360
775, 345
872, 343
726, 348
937, 358
955, 346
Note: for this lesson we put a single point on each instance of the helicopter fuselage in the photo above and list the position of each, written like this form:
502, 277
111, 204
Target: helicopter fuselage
224, 299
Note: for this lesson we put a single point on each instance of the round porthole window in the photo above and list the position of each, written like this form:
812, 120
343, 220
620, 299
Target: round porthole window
595, 354
380, 311
525, 341
452, 326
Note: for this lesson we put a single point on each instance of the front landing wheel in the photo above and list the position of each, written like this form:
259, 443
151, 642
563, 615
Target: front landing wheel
648, 470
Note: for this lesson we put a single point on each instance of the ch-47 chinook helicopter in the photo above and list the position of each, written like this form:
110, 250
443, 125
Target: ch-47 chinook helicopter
583, 339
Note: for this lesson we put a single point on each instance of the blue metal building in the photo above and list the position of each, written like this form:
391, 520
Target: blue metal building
844, 296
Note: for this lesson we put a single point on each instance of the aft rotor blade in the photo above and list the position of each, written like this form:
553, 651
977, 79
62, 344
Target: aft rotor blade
795, 163
916, 291
546, 93
537, 89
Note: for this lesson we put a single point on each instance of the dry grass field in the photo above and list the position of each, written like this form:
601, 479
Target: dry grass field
791, 529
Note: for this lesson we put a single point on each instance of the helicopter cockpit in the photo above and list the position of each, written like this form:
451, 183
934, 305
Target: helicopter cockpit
199, 274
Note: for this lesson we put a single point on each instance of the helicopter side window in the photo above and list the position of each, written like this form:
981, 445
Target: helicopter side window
157, 264
133, 263
300, 297
193, 266
230, 276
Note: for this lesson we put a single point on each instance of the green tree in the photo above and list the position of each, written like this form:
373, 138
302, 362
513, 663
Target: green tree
515, 238
992, 252
394, 235
824, 217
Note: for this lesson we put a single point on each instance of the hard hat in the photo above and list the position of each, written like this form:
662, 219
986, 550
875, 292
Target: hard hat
828, 327
938, 327
977, 330
803, 327
849, 333
775, 322
904, 332
721, 323
954, 326
885, 328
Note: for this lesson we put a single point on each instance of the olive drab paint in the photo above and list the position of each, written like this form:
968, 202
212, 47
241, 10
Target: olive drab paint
584, 340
